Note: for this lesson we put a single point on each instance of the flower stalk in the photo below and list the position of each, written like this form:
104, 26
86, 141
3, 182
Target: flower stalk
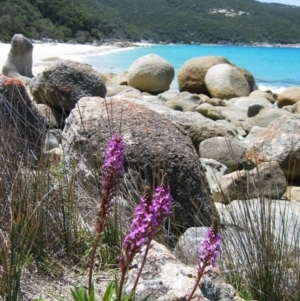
208, 253
148, 216
112, 172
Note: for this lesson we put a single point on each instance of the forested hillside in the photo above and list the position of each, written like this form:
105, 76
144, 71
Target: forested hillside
175, 21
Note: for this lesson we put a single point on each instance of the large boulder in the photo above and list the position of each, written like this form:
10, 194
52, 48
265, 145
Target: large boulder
280, 142
192, 73
153, 143
229, 152
151, 73
22, 126
225, 82
265, 180
281, 219
19, 61
63, 83
194, 124
288, 97
249, 77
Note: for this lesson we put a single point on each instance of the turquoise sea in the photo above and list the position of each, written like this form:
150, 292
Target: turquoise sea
274, 68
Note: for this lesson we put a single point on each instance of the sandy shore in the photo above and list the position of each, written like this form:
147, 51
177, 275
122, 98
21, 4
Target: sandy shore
45, 54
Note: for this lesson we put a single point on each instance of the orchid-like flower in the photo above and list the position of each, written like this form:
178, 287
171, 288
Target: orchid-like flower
112, 172
148, 217
210, 246
209, 250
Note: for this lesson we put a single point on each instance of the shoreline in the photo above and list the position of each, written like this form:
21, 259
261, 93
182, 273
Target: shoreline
46, 54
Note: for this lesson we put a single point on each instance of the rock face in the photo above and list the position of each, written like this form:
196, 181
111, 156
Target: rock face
19, 60
280, 142
214, 170
151, 73
263, 118
263, 94
265, 180
284, 217
225, 82
153, 144
185, 101
192, 73
165, 278
22, 126
229, 152
63, 83
198, 127
288, 97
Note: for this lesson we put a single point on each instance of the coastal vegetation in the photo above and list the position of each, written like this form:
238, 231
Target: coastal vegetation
170, 21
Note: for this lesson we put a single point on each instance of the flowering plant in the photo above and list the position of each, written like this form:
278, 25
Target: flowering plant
208, 252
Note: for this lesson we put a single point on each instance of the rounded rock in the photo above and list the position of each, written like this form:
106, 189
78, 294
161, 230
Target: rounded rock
226, 82
151, 73
192, 73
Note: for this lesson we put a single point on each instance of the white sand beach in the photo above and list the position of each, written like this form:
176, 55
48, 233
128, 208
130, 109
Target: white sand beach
45, 54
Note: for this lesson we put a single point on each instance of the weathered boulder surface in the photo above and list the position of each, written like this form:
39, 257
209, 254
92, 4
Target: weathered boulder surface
19, 61
280, 142
118, 79
263, 118
249, 77
230, 113
153, 144
192, 73
266, 179
214, 170
168, 95
165, 278
21, 123
195, 125
225, 82
151, 73
229, 152
63, 83
185, 101
246, 102
288, 97
284, 217
263, 94
52, 117
254, 133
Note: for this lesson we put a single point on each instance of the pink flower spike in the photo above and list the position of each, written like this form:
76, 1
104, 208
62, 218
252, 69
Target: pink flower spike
113, 168
210, 246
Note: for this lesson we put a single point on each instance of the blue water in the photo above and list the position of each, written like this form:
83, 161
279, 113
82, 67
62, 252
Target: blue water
273, 68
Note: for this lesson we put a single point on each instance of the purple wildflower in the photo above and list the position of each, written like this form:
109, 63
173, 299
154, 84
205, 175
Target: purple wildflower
162, 201
111, 175
148, 216
113, 164
210, 246
209, 250
112, 172
141, 227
